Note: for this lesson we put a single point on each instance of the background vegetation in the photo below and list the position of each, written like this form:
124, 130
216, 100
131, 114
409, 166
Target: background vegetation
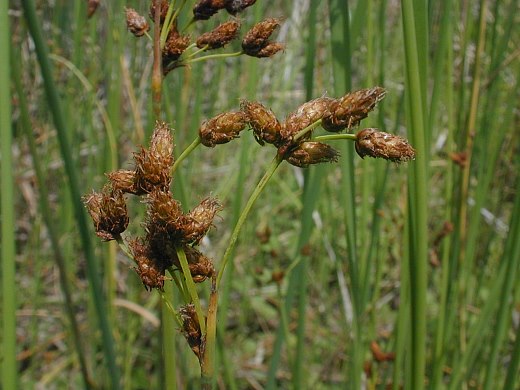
357, 274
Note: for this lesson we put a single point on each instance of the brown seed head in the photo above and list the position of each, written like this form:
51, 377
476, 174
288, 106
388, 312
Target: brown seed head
219, 37
378, 144
123, 180
92, 6
236, 6
304, 116
163, 211
108, 212
136, 23
205, 9
349, 110
174, 46
201, 267
268, 50
153, 165
191, 328
258, 36
309, 153
262, 120
222, 128
164, 10
151, 273
198, 221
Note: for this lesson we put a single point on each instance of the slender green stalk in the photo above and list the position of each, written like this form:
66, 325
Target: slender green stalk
243, 217
192, 289
73, 177
213, 56
169, 336
417, 192
7, 207
185, 153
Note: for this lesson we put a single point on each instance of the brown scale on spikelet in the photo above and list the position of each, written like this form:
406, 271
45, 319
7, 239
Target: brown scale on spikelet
265, 125
123, 180
349, 110
304, 116
164, 9
205, 9
108, 212
148, 269
236, 6
201, 267
257, 37
163, 216
174, 46
378, 144
219, 37
153, 165
222, 129
92, 6
191, 329
308, 153
136, 23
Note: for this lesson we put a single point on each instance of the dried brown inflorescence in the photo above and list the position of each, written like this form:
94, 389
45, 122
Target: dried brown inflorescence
174, 46
349, 110
304, 116
150, 270
236, 6
108, 212
378, 144
256, 41
265, 125
222, 128
164, 10
136, 23
153, 165
308, 153
191, 329
205, 9
219, 37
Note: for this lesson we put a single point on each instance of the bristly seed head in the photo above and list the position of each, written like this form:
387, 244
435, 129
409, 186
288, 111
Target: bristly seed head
304, 116
257, 38
123, 180
205, 9
378, 144
164, 10
236, 6
199, 220
349, 110
219, 37
308, 153
191, 329
108, 212
136, 23
153, 166
222, 129
174, 46
151, 273
265, 125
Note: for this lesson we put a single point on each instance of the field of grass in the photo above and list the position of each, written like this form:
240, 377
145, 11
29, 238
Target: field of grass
355, 274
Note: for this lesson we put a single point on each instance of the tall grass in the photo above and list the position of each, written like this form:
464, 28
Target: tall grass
418, 260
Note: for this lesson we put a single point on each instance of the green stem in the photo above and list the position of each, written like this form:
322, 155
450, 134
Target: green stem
213, 56
185, 153
192, 289
334, 137
247, 208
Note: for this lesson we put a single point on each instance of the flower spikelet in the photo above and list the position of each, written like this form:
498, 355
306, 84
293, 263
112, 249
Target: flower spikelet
236, 6
269, 50
163, 215
219, 37
304, 116
265, 125
136, 23
108, 212
222, 128
151, 273
201, 267
191, 329
199, 220
174, 46
308, 153
164, 9
378, 144
349, 110
205, 9
258, 36
153, 165
123, 180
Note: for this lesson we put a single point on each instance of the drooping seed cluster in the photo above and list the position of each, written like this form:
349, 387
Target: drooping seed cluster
256, 42
293, 136
167, 228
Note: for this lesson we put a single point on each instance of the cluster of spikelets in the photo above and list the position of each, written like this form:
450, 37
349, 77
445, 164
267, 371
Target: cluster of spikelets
177, 46
166, 227
293, 137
